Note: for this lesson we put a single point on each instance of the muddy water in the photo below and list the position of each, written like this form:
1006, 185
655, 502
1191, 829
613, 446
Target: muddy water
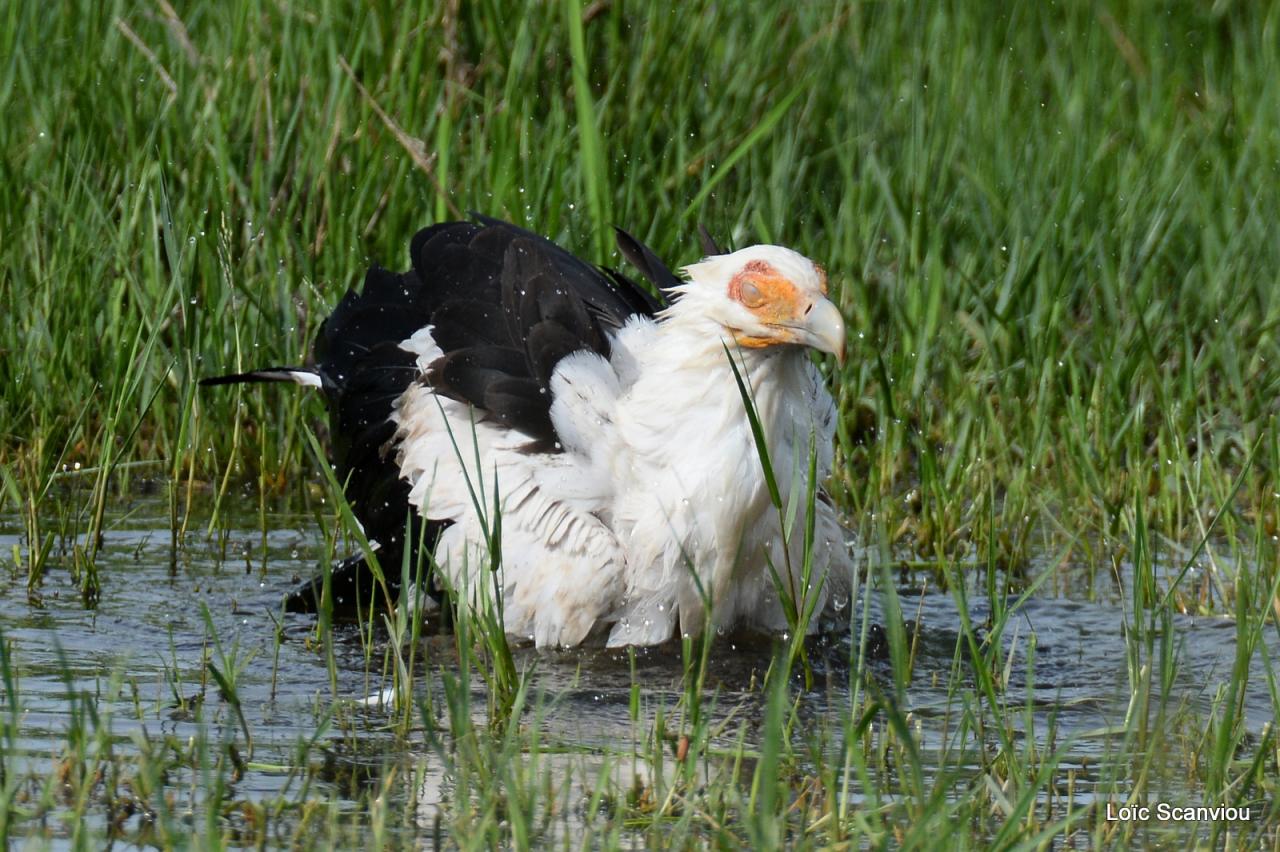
139, 658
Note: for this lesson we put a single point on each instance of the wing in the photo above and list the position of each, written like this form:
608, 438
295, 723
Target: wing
511, 306
502, 307
561, 567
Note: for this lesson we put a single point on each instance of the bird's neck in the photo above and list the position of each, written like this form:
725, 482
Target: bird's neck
690, 378
695, 488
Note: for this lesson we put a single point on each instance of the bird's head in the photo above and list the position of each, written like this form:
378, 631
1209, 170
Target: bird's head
766, 296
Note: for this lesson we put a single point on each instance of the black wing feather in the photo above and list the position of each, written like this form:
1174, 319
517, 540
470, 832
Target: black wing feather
548, 342
709, 245
459, 323
525, 295
642, 258
521, 405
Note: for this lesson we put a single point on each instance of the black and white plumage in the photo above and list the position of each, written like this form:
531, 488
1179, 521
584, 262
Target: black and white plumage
609, 421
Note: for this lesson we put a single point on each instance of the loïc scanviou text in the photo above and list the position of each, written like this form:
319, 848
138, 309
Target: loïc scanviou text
1165, 812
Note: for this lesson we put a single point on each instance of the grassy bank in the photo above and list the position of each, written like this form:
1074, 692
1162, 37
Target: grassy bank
1051, 229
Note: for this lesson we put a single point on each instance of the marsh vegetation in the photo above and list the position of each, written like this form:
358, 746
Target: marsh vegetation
1051, 230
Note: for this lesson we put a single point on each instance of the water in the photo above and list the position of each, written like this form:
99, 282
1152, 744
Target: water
140, 660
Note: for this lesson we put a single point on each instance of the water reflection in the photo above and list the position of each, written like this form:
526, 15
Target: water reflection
141, 659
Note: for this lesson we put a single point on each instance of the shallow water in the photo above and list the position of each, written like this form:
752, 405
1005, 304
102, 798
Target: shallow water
140, 656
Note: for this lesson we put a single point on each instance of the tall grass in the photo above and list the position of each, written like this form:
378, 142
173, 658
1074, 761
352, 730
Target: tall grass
1049, 229
1049, 226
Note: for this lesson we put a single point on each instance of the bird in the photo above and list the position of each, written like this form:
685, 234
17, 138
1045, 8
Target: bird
508, 407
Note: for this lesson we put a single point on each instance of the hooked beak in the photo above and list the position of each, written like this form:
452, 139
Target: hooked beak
823, 329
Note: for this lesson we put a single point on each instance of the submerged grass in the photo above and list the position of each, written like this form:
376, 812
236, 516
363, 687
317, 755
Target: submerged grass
1050, 228
712, 758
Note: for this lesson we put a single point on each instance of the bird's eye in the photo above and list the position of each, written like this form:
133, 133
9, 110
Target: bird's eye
749, 294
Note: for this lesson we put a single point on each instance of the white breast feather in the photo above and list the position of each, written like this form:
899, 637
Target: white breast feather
658, 478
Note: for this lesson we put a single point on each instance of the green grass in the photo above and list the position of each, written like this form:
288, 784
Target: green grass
1051, 230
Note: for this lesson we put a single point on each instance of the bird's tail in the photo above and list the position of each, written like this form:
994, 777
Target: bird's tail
305, 376
359, 365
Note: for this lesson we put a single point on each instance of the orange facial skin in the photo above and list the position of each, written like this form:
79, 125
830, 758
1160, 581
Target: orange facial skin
761, 289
